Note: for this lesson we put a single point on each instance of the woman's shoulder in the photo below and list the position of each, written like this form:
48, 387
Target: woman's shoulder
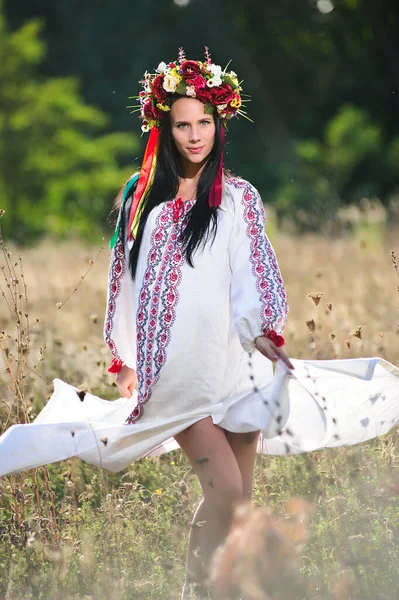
236, 186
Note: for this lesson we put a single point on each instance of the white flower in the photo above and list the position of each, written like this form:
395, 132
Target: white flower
216, 70
190, 91
221, 107
210, 82
162, 67
145, 128
170, 83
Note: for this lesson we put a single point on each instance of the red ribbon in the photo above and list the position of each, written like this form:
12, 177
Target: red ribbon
215, 194
116, 366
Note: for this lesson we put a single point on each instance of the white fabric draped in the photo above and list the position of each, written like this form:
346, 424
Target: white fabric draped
321, 404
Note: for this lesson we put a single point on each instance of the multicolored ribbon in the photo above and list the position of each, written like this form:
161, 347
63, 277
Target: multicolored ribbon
145, 180
147, 176
126, 192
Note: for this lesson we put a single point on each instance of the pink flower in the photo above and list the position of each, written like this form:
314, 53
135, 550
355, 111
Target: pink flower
197, 81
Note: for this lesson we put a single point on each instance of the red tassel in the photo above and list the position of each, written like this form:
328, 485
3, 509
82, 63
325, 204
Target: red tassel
215, 194
116, 366
277, 339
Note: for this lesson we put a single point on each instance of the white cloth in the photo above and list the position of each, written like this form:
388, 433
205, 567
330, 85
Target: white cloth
321, 404
188, 332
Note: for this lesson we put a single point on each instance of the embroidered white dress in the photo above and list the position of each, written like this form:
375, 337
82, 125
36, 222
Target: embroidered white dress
189, 333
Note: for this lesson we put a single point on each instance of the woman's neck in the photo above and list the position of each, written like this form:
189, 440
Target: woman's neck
191, 172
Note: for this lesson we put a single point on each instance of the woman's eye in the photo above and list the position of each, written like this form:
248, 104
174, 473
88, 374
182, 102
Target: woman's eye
205, 122
181, 125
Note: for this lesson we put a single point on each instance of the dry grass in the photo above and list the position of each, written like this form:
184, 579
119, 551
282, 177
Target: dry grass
73, 532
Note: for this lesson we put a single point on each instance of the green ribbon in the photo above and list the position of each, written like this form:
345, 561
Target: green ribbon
126, 193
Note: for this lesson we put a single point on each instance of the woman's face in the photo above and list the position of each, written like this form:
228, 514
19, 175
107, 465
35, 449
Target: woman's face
192, 129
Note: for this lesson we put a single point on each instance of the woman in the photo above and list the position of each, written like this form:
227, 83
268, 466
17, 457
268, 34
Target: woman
208, 291
196, 305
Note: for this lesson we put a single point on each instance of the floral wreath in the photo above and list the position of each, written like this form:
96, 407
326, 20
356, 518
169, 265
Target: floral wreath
214, 87
203, 80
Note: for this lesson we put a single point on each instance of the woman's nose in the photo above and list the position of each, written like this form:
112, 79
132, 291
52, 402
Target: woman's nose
194, 134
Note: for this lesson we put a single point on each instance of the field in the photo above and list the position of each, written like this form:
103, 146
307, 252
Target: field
70, 531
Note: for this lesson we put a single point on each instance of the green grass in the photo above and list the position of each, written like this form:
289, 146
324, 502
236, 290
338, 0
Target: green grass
124, 536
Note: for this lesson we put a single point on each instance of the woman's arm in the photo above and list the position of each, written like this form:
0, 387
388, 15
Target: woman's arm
120, 318
257, 289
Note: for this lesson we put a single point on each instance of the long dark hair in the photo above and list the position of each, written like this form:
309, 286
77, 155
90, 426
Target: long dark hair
202, 219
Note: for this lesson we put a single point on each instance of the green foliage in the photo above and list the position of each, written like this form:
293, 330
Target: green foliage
339, 169
58, 173
323, 90
125, 536
303, 69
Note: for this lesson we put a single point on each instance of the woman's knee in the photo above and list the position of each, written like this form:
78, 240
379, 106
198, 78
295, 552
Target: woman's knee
224, 494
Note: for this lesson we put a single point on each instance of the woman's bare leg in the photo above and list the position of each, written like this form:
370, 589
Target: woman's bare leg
213, 460
244, 447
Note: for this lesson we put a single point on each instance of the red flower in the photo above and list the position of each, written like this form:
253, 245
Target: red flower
189, 68
157, 89
223, 94
197, 81
150, 111
204, 94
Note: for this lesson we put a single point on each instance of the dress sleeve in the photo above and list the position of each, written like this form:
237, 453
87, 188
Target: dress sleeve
258, 294
120, 317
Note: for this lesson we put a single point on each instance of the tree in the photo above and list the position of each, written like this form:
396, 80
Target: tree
58, 174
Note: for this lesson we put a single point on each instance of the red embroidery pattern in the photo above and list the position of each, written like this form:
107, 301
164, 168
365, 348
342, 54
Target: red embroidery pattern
269, 284
157, 300
116, 272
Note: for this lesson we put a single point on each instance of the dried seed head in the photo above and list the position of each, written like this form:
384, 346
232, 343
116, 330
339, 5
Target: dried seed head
315, 296
358, 332
311, 325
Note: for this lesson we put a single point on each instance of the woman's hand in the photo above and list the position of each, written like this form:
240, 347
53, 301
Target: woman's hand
271, 351
126, 381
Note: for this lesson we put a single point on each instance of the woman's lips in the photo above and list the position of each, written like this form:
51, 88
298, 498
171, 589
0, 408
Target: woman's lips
195, 150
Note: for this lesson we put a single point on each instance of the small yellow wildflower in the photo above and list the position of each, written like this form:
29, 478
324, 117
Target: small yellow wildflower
163, 107
159, 492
